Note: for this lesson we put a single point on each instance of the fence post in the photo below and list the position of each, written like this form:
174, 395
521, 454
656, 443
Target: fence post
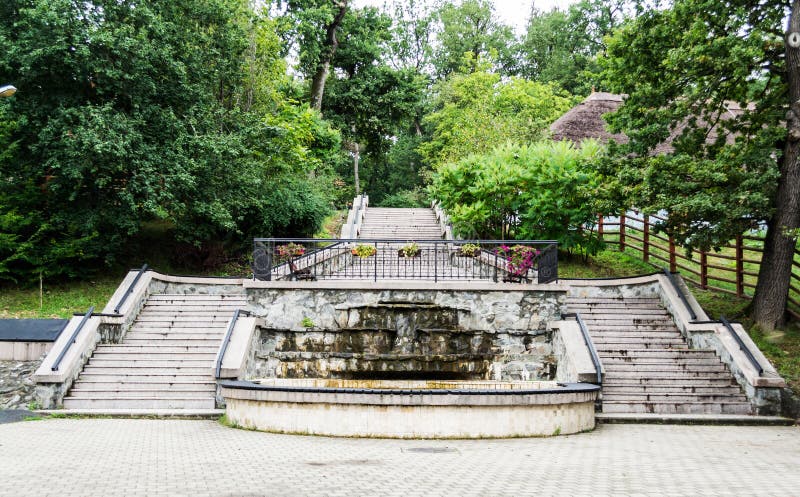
600, 226
622, 232
673, 266
703, 269
646, 238
739, 266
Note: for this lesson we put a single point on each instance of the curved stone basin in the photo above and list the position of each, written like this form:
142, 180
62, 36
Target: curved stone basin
411, 409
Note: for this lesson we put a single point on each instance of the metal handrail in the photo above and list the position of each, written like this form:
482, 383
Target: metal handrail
678, 289
130, 289
590, 345
742, 345
72, 339
227, 339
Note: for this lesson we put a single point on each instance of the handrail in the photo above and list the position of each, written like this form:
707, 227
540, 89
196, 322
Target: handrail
227, 339
742, 346
590, 345
678, 289
72, 339
130, 289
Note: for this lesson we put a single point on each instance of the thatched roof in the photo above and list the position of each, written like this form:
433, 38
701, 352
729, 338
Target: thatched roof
586, 121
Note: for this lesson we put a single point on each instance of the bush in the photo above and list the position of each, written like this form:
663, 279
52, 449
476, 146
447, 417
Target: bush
545, 191
405, 199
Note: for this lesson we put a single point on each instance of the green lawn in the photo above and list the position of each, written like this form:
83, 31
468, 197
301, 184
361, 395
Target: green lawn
57, 300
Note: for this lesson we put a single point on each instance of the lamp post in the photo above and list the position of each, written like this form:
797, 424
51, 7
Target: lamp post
7, 91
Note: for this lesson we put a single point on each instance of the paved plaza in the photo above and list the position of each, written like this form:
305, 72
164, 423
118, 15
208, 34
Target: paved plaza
123, 457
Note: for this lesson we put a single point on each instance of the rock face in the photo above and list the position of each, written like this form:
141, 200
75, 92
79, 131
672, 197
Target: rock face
385, 334
17, 388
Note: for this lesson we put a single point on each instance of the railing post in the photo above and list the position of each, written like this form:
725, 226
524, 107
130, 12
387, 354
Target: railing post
600, 226
646, 238
622, 232
376, 260
435, 262
703, 269
270, 251
739, 266
673, 265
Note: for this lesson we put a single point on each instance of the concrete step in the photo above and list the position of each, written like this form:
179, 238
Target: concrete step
192, 308
635, 341
203, 371
190, 297
677, 408
121, 393
683, 397
663, 354
142, 362
613, 300
633, 375
132, 375
676, 381
183, 336
103, 386
171, 341
157, 355
644, 368
640, 389
610, 360
600, 330
125, 348
138, 403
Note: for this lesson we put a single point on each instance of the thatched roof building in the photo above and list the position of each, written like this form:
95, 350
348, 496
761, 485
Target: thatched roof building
585, 120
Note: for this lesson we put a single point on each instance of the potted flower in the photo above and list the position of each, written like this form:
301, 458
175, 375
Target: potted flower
469, 250
410, 249
289, 251
519, 259
363, 250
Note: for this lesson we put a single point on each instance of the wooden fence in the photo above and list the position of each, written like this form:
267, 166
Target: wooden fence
734, 269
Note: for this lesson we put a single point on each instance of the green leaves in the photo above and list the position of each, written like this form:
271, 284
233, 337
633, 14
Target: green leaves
543, 191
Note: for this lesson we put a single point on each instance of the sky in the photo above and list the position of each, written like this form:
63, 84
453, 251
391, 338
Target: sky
512, 12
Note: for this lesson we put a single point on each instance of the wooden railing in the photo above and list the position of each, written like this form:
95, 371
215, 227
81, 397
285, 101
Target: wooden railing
734, 269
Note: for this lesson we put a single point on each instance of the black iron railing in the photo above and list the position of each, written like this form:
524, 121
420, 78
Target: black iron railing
130, 289
227, 339
742, 345
587, 339
523, 261
72, 339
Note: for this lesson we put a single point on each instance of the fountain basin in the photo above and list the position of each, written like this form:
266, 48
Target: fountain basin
411, 408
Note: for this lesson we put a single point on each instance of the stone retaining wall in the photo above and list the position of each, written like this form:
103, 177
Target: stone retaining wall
17, 387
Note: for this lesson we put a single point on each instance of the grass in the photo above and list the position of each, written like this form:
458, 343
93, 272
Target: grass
59, 300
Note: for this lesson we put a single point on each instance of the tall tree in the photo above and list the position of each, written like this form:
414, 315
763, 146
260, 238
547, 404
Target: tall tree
720, 80
314, 28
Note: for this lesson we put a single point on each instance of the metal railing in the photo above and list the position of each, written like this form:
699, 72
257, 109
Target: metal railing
130, 289
682, 295
72, 339
227, 339
523, 261
589, 345
742, 345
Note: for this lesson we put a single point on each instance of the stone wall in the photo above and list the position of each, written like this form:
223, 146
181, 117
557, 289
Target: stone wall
17, 388
358, 333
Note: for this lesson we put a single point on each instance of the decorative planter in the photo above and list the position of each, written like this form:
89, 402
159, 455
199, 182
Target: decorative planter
401, 253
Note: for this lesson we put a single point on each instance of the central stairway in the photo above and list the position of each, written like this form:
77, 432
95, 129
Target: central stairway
649, 367
165, 361
400, 224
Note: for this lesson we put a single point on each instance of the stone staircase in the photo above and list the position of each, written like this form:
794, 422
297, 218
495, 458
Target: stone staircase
400, 224
165, 361
649, 367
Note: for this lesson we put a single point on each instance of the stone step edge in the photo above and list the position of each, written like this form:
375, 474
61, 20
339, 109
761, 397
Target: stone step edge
693, 419
189, 414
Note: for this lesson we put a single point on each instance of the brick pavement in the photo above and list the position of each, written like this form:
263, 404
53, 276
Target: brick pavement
117, 457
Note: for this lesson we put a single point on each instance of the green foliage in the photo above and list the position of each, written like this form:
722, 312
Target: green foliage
476, 112
543, 191
561, 46
683, 68
307, 322
363, 250
129, 113
406, 199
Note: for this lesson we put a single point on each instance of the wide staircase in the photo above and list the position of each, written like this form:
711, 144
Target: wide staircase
400, 224
649, 367
165, 361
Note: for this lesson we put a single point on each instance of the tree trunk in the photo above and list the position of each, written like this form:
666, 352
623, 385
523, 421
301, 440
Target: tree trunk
774, 276
356, 158
328, 51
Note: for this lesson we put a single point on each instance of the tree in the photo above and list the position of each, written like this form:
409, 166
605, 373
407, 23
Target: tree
314, 27
561, 46
718, 79
476, 112
472, 29
542, 191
